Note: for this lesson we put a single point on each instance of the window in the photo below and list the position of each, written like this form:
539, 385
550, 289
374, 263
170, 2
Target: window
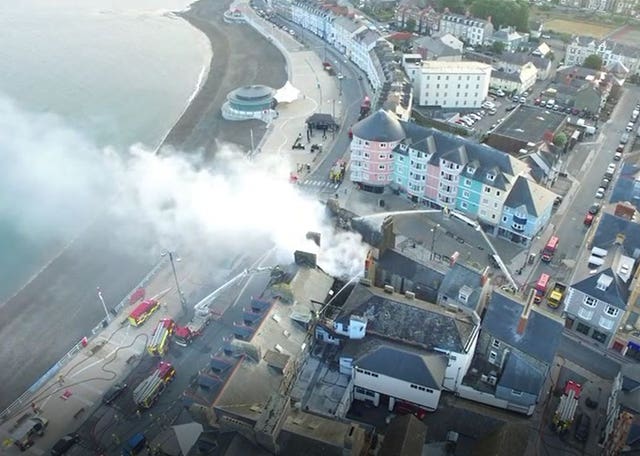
516, 393
493, 356
589, 301
487, 189
612, 311
504, 218
600, 337
381, 167
464, 205
585, 314
465, 194
467, 182
582, 329
606, 323
491, 177
382, 177
495, 343
497, 192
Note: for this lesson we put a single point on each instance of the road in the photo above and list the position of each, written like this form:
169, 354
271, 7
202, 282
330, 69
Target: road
109, 425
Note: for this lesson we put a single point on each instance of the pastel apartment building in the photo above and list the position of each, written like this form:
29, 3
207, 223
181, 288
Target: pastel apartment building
471, 30
441, 170
448, 84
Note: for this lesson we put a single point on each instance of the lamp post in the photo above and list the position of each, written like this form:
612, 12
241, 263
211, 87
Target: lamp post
104, 306
183, 300
434, 230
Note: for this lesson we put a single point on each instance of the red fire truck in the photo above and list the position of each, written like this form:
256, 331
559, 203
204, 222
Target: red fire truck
566, 410
148, 391
142, 311
541, 287
550, 249
159, 341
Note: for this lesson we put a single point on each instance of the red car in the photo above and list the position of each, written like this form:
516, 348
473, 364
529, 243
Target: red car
588, 219
536, 101
404, 408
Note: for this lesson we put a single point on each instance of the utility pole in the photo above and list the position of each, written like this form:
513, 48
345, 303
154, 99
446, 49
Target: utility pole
104, 306
183, 300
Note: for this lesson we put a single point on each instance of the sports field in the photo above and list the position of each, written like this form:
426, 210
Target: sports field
577, 28
628, 35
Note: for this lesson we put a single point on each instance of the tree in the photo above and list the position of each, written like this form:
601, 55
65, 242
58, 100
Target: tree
551, 56
593, 61
497, 47
410, 25
503, 13
560, 139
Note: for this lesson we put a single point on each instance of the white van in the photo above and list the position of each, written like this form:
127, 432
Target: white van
598, 252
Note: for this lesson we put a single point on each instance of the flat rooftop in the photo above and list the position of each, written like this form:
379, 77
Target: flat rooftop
465, 67
529, 123
278, 342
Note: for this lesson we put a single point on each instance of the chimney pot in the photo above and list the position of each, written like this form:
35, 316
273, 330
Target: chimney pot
522, 324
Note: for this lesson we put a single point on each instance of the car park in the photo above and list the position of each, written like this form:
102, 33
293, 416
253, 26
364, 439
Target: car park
600, 192
64, 444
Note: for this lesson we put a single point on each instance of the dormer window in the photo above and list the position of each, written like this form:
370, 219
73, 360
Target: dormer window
491, 176
471, 169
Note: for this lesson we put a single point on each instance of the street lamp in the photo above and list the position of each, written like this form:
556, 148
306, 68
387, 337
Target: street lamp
183, 300
104, 306
434, 230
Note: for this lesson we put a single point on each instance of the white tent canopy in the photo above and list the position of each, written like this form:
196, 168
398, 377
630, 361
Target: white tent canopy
287, 93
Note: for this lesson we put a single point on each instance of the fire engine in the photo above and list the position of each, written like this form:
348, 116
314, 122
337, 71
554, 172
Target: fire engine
159, 342
148, 391
142, 311
566, 410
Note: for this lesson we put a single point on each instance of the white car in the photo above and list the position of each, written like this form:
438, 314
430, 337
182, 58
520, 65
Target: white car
488, 105
475, 117
500, 93
630, 126
600, 193
467, 121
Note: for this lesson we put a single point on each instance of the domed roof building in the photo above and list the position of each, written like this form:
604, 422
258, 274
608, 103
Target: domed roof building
374, 139
250, 102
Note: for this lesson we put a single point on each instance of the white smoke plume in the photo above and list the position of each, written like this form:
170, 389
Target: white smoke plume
53, 182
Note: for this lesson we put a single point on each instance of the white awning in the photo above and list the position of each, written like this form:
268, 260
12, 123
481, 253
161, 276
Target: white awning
287, 93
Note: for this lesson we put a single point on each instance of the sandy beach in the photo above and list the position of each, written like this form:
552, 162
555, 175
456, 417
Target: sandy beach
241, 56
59, 306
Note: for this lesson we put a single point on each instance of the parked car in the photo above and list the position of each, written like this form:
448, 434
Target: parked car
620, 148
611, 168
605, 183
629, 126
113, 393
536, 102
475, 117
588, 219
600, 192
492, 111
404, 408
595, 208
624, 138
488, 105
64, 444
617, 156
583, 426
522, 100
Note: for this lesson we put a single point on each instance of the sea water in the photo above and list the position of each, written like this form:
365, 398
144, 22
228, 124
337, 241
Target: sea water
119, 72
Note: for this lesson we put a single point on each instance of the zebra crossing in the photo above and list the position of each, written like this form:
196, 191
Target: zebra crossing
319, 184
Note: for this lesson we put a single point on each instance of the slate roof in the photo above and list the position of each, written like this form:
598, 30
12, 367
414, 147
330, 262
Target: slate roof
497, 74
519, 375
533, 196
616, 294
610, 227
446, 146
408, 321
436, 46
615, 47
427, 280
541, 334
381, 126
627, 186
461, 276
426, 370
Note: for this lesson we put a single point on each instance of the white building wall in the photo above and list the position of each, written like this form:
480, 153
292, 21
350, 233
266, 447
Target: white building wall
461, 86
396, 388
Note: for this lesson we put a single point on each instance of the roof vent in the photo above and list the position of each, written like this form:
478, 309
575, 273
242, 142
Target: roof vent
388, 289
